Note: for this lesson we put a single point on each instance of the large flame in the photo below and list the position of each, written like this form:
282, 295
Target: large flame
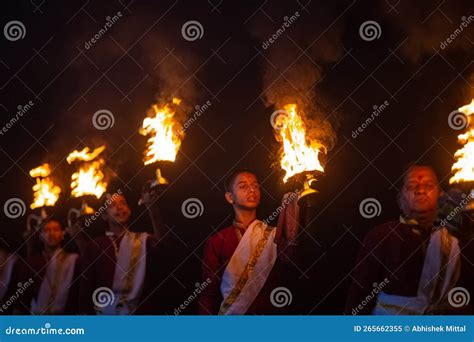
89, 179
299, 154
165, 138
45, 192
463, 168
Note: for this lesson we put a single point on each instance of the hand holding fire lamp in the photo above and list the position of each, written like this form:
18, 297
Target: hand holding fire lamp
300, 155
304, 184
164, 140
152, 188
45, 194
87, 181
300, 160
74, 215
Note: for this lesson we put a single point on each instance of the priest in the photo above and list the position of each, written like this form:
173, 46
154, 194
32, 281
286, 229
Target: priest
412, 265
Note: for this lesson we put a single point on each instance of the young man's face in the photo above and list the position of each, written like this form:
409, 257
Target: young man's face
52, 234
245, 191
420, 191
118, 211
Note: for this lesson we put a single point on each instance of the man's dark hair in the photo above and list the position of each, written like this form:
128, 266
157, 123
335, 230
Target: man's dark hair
229, 183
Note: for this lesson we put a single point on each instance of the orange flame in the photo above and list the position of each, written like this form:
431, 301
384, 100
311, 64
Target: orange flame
84, 154
89, 179
165, 139
299, 154
464, 165
45, 192
41, 171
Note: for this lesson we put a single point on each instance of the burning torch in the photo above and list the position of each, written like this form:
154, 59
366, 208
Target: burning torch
45, 194
164, 140
87, 181
463, 167
300, 155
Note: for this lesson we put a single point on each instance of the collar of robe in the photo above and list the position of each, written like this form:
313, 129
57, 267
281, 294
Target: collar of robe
241, 225
414, 225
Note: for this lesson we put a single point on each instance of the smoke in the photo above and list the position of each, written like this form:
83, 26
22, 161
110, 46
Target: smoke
430, 26
297, 46
173, 75
126, 72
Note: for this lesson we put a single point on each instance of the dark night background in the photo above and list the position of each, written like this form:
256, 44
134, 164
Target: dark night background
144, 57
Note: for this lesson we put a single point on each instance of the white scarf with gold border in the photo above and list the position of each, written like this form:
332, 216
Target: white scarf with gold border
54, 289
129, 275
439, 275
248, 268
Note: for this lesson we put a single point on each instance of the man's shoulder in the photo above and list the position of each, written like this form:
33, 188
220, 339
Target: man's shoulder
222, 234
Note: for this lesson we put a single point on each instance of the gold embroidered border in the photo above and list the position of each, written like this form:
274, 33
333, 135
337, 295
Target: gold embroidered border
246, 273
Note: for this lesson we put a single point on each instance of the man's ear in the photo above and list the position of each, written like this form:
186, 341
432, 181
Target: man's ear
229, 198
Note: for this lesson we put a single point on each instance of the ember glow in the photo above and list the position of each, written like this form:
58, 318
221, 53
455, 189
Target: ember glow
165, 137
463, 167
89, 179
45, 192
299, 153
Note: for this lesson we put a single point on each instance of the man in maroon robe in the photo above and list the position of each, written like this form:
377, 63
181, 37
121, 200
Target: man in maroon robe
243, 193
133, 287
46, 283
409, 266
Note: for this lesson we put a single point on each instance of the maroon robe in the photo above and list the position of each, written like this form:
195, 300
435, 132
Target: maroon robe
35, 267
99, 262
396, 251
218, 251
